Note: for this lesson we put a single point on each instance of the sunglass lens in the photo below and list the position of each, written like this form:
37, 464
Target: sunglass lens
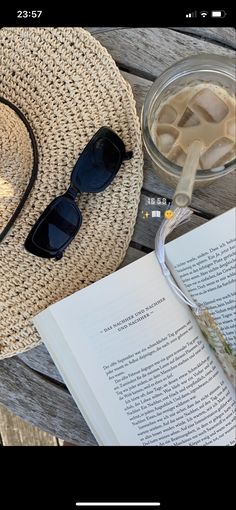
97, 166
105, 155
55, 228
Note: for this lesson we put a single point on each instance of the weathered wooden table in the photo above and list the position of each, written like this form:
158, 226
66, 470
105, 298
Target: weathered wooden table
30, 384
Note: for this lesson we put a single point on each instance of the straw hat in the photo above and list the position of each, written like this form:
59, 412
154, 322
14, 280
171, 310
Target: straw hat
62, 84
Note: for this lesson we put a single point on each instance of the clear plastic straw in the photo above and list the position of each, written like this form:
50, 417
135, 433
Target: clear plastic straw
184, 189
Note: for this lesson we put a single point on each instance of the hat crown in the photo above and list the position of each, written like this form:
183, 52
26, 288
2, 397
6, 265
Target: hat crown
16, 160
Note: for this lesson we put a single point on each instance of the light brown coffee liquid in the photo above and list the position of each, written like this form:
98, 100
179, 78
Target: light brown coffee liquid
204, 112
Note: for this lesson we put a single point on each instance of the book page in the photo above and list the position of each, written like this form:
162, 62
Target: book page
204, 261
145, 361
74, 378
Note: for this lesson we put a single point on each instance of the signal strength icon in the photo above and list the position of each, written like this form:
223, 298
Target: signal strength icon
191, 14
204, 14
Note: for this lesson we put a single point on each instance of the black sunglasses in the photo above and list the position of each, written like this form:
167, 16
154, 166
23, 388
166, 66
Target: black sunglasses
93, 172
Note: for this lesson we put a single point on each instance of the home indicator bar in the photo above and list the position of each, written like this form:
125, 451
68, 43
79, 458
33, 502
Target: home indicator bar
150, 504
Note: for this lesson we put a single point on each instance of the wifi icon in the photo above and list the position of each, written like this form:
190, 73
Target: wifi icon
204, 13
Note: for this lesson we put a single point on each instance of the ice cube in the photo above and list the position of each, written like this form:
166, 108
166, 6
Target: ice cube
166, 137
167, 115
209, 106
231, 129
189, 119
218, 153
177, 155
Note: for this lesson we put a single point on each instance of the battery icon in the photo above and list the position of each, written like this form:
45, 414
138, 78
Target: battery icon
218, 14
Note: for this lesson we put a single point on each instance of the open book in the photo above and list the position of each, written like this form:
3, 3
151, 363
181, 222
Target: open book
133, 356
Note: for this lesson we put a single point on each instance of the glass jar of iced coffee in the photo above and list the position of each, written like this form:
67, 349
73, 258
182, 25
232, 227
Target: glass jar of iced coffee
192, 100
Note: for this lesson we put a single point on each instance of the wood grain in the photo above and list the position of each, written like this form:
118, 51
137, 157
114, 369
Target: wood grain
100, 30
149, 51
222, 35
42, 403
17, 432
40, 361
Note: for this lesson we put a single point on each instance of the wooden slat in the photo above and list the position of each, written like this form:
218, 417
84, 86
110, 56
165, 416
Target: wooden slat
42, 403
214, 199
39, 360
222, 35
149, 51
17, 432
140, 87
100, 30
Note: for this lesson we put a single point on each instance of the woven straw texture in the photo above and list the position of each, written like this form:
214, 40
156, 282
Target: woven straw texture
67, 86
16, 161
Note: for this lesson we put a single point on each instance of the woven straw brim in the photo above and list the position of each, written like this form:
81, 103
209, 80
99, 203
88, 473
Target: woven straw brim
16, 161
67, 86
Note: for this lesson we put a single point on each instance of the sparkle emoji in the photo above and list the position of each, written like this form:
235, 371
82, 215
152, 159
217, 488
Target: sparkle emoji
145, 215
168, 214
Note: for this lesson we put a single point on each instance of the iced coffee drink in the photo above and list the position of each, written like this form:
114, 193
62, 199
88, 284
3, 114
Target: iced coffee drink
201, 112
193, 101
